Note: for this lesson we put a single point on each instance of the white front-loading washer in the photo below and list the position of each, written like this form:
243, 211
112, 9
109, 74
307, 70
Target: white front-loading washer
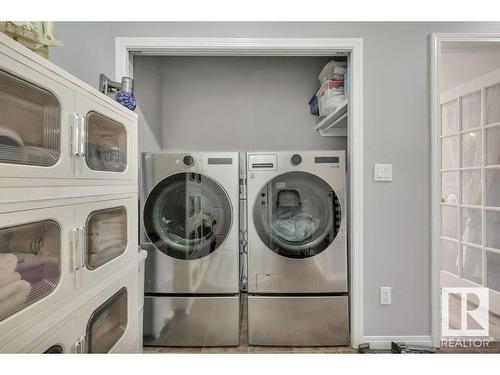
297, 248
190, 223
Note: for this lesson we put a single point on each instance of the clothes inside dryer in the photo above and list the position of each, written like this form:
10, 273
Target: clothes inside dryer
187, 215
297, 214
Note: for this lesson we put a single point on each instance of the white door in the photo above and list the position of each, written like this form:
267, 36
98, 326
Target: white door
110, 319
61, 339
109, 140
34, 260
36, 118
105, 236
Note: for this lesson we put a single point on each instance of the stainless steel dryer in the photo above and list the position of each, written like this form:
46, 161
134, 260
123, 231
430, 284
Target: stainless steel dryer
297, 249
190, 223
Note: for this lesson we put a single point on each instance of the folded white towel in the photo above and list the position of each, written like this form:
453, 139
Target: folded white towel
102, 224
27, 239
13, 297
119, 244
108, 231
106, 255
108, 234
107, 323
11, 290
8, 263
27, 261
9, 277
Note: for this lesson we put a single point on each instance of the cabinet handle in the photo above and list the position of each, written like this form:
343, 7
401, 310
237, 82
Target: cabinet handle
80, 345
75, 145
75, 255
83, 135
83, 247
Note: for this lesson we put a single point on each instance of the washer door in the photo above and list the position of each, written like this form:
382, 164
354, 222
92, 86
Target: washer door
187, 216
297, 215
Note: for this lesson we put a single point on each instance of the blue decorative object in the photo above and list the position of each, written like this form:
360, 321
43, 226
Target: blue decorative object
126, 99
313, 105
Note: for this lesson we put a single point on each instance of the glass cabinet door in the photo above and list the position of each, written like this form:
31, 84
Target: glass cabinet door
109, 134
106, 236
30, 264
106, 144
108, 323
30, 123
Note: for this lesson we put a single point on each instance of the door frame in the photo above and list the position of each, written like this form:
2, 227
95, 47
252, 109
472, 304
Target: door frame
126, 47
436, 41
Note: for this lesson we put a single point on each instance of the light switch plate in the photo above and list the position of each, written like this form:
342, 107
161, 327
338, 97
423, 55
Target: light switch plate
385, 295
383, 172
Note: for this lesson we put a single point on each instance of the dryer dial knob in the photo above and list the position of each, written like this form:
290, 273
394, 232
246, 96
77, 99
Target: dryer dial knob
188, 160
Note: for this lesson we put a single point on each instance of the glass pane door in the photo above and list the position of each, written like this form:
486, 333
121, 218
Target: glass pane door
108, 323
106, 236
297, 215
29, 264
106, 144
470, 185
30, 123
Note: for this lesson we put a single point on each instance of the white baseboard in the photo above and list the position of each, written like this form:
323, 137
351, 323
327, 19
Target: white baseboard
384, 342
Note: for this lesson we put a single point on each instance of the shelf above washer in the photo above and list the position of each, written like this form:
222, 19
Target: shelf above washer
335, 123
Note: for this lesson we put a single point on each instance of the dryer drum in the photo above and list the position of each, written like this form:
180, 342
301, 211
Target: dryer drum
295, 215
187, 216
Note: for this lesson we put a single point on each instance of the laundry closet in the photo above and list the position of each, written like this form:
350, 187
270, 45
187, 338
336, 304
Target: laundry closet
254, 118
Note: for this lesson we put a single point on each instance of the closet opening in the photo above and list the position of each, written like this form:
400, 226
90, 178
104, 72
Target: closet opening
194, 96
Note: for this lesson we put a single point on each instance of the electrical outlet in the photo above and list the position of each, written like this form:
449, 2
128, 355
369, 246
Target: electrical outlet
385, 295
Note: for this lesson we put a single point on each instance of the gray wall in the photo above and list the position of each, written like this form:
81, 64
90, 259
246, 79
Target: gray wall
458, 67
229, 103
396, 130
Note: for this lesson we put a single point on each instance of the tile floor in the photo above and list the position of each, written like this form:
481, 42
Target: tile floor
244, 348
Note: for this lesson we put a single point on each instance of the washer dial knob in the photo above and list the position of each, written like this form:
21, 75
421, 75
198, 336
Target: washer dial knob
296, 159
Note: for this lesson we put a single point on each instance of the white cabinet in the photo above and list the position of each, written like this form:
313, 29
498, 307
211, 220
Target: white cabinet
34, 263
55, 128
104, 235
36, 115
107, 142
68, 211
49, 253
65, 338
106, 323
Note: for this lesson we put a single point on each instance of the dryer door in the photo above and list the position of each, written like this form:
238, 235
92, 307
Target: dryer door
187, 216
297, 215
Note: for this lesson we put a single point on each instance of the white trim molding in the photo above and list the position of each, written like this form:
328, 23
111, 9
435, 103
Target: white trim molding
126, 47
439, 42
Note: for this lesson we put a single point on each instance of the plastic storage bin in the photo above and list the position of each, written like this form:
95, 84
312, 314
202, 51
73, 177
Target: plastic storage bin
330, 95
334, 70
